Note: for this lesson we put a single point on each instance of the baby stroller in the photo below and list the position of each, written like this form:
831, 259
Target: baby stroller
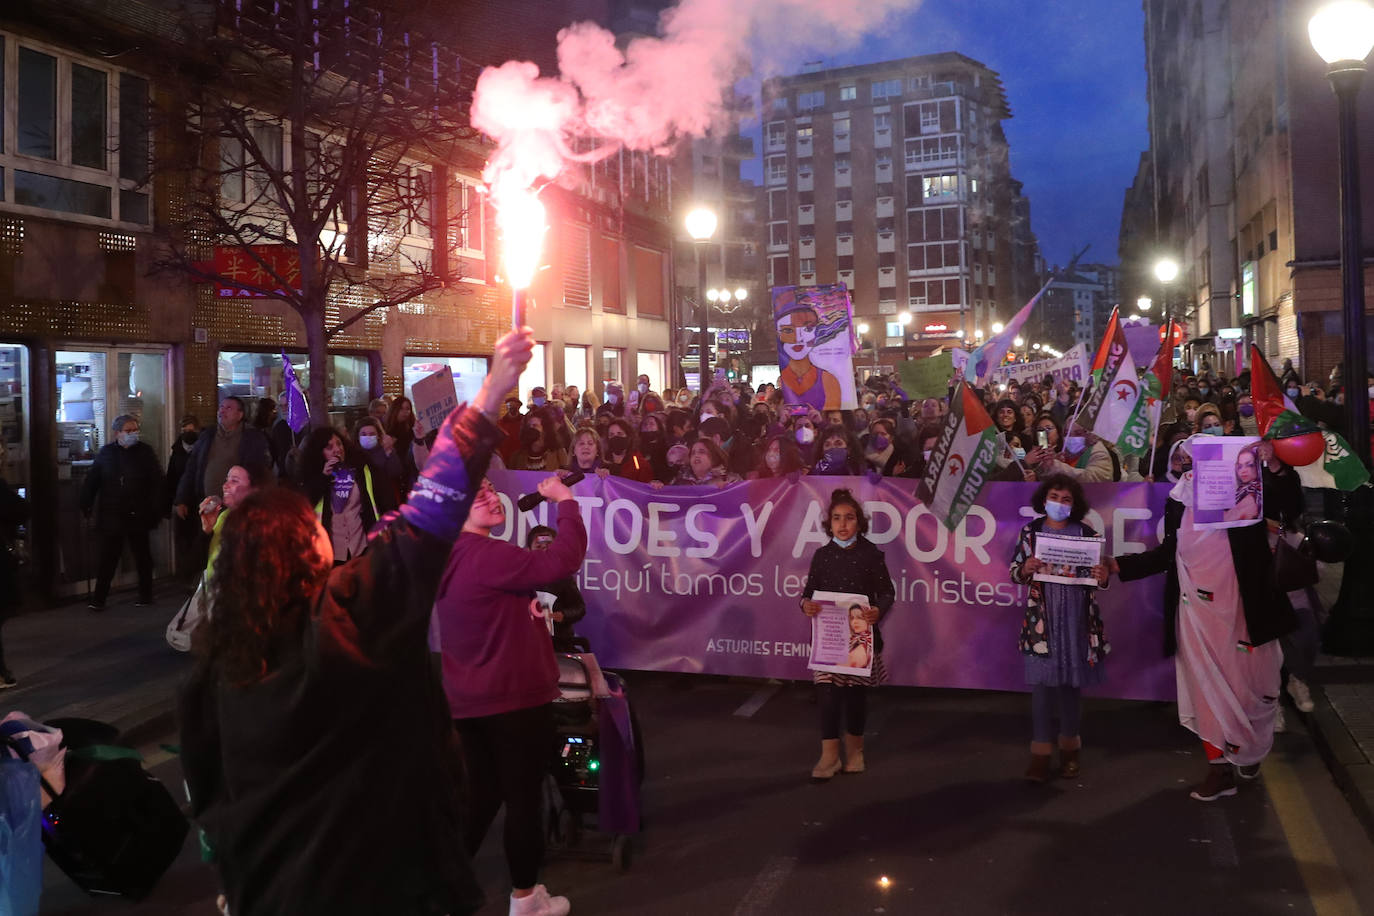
598, 761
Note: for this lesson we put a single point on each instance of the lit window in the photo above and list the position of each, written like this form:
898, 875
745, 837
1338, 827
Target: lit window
848, 93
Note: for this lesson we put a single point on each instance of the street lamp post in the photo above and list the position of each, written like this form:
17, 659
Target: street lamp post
904, 319
1342, 34
1166, 271
701, 225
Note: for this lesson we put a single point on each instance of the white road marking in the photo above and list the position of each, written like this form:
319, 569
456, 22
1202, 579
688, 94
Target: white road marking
755, 702
766, 886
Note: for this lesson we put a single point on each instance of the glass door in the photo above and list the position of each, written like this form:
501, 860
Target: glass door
93, 387
14, 428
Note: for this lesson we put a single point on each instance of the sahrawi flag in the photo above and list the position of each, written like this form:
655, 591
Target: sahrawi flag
962, 462
1115, 410
1336, 468
1155, 383
297, 408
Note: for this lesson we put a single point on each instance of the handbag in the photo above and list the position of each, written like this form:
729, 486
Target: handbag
193, 612
1293, 569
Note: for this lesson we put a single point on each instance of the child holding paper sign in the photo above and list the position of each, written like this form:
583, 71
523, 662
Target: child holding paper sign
1061, 636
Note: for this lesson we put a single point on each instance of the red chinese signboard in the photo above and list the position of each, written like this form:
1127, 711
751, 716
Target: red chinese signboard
261, 268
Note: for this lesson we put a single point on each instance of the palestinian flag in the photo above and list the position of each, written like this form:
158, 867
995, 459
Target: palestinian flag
1115, 411
1335, 467
962, 462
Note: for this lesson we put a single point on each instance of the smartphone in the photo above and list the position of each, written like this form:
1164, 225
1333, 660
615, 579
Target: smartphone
797, 410
1042, 438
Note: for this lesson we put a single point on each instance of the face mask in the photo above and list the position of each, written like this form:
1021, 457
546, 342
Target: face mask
529, 436
846, 543
127, 439
806, 435
367, 442
1074, 444
643, 388
1248, 410
1205, 390
539, 402
612, 399
1058, 511
1019, 454
1292, 392
651, 436
836, 456
772, 460
684, 399
618, 443
879, 443
1213, 431
706, 416
926, 454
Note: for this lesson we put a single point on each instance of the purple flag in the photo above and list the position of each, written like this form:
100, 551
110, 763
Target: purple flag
990, 355
297, 409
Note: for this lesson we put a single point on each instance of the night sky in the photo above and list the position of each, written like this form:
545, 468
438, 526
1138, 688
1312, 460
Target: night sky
1075, 79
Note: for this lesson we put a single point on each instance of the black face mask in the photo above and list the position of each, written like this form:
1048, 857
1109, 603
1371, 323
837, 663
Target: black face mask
529, 436
651, 436
189, 438
618, 444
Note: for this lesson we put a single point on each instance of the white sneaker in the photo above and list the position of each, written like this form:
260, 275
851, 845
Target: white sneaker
539, 903
1279, 724
1301, 694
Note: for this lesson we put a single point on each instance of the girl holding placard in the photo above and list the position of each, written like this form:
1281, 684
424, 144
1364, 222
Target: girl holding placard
1061, 636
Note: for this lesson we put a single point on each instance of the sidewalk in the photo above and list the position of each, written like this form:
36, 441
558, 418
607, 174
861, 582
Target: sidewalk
1343, 726
113, 666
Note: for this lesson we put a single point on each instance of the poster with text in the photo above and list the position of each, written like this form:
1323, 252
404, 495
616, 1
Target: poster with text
434, 396
841, 636
815, 345
1227, 486
1068, 559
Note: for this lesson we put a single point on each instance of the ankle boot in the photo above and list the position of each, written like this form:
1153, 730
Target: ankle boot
1068, 757
829, 764
853, 753
1039, 769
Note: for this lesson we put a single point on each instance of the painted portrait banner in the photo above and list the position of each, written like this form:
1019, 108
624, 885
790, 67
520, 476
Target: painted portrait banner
815, 326
706, 580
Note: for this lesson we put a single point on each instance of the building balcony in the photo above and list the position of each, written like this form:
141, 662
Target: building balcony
776, 179
846, 277
885, 206
844, 210
804, 148
806, 214
942, 90
775, 143
806, 248
888, 307
738, 147
807, 278
882, 173
806, 182
887, 241
844, 244
844, 177
842, 142
882, 137
887, 276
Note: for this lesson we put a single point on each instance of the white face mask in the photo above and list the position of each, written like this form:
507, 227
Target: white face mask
1019, 454
612, 398
926, 454
806, 435
705, 415
127, 439
643, 388
367, 442
1074, 444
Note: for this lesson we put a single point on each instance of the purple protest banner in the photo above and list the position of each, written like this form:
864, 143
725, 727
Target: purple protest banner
706, 580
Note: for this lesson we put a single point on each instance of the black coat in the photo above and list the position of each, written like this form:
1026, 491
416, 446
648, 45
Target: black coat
254, 454
1268, 614
14, 509
124, 487
177, 462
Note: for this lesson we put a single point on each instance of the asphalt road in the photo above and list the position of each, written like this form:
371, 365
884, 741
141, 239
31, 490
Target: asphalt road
733, 826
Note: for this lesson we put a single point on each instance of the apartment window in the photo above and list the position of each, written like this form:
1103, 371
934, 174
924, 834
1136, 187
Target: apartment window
992, 276
883, 160
973, 185
575, 253
935, 292
992, 241
468, 220
844, 193
933, 224
841, 163
939, 187
804, 133
919, 82
940, 256
882, 120
844, 227
777, 234
777, 168
895, 329
886, 224
849, 93
611, 363
808, 101
780, 104
887, 259
777, 133
807, 265
883, 89
841, 128
844, 262
804, 169
59, 152
930, 118
777, 204
778, 272
977, 240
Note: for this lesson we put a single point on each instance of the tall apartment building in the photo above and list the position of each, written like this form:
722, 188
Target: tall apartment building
1240, 182
893, 178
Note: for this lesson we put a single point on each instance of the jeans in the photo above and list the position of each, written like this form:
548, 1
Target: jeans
847, 704
507, 756
1046, 701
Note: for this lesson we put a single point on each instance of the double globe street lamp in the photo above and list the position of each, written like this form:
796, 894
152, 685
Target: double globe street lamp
701, 225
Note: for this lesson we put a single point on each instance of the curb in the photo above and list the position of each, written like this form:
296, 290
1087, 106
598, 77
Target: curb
1352, 771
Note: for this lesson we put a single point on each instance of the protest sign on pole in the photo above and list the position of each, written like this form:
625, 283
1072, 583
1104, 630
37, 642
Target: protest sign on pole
816, 343
1227, 490
928, 377
434, 396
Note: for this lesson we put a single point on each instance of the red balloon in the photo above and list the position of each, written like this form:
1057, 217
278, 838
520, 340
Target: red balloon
1298, 451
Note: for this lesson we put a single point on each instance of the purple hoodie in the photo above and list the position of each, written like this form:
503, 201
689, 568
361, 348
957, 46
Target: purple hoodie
497, 657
